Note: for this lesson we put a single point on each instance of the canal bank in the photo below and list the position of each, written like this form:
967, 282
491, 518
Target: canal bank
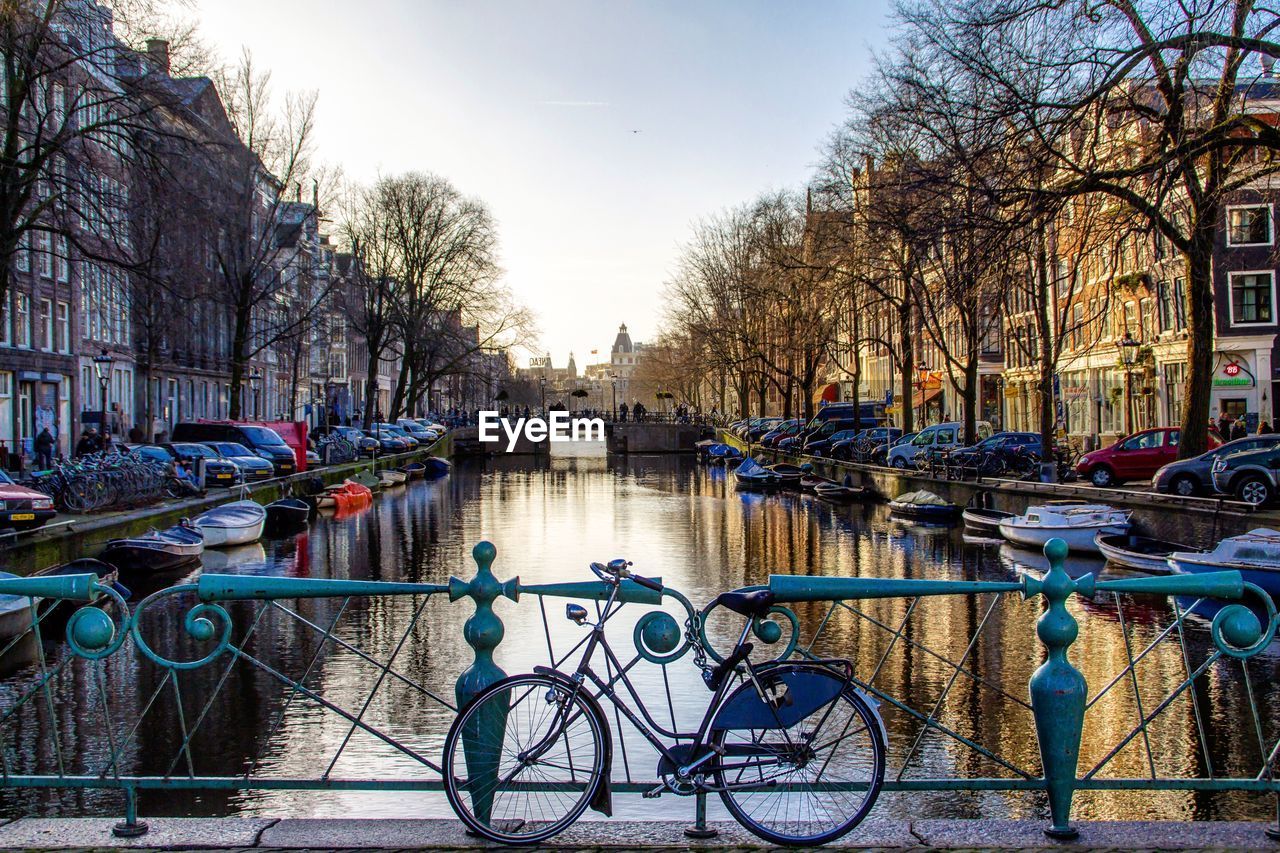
1197, 522
65, 540
409, 834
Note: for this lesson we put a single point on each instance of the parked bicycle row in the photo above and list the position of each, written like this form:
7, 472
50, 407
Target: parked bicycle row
1245, 469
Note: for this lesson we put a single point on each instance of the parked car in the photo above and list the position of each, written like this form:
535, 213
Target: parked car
252, 466
1011, 441
399, 432
424, 435
217, 471
878, 437
821, 446
781, 431
22, 508
933, 439
1194, 476
762, 426
1250, 476
1134, 457
363, 443
263, 441
388, 441
821, 430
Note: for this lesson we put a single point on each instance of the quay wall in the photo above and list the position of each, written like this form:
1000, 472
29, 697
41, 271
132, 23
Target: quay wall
62, 542
1197, 522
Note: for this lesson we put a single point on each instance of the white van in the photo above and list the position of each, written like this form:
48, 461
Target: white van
937, 437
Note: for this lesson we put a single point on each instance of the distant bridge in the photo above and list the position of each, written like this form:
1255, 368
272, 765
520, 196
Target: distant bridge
620, 437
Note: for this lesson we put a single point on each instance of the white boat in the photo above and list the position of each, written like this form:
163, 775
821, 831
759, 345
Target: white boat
1137, 552
1075, 524
392, 477
15, 613
236, 523
1256, 555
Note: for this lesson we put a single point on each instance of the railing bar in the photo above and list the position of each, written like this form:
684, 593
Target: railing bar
217, 688
995, 688
96, 668
617, 715
977, 747
942, 698
1133, 677
368, 700
546, 628
185, 749
1180, 623
821, 625
1253, 707
356, 650
315, 658
896, 633
1165, 703
44, 686
310, 694
142, 716
1142, 655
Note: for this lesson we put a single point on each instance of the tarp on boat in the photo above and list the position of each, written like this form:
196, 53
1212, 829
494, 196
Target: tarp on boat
752, 468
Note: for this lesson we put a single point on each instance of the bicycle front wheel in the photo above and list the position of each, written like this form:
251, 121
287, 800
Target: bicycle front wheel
524, 759
807, 784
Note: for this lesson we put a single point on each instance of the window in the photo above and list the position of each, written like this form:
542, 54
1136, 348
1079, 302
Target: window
44, 258
46, 325
1144, 441
1252, 299
60, 260
1249, 226
22, 259
1180, 303
64, 327
22, 319
1130, 320
1147, 319
1077, 326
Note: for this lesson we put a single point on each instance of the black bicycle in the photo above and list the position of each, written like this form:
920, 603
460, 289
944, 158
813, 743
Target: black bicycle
795, 750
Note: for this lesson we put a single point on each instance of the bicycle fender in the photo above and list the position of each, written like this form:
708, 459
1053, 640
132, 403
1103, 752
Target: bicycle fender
602, 800
809, 688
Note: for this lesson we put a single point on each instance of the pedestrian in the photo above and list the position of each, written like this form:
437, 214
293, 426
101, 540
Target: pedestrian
622, 412
44, 449
1264, 428
88, 443
1224, 426
1238, 429
136, 435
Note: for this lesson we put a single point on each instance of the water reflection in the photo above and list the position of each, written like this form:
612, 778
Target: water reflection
687, 525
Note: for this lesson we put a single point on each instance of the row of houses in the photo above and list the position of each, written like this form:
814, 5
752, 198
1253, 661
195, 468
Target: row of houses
120, 309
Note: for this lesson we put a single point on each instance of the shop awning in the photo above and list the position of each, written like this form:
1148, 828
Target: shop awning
921, 398
828, 393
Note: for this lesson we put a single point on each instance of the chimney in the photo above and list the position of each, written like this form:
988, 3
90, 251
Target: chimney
158, 53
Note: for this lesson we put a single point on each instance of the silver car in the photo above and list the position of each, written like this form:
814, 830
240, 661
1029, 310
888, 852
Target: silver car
1194, 476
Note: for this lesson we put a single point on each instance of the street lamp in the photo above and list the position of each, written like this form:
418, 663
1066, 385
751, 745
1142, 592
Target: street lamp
1128, 347
542, 381
102, 367
613, 377
255, 381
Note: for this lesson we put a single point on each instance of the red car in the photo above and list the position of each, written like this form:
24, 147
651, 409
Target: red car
22, 508
1135, 457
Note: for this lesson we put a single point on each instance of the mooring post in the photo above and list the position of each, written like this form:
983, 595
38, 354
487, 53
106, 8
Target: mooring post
483, 632
1058, 693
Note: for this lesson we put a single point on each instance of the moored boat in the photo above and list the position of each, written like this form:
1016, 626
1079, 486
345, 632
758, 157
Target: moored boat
923, 505
983, 520
156, 551
392, 477
1137, 552
288, 513
750, 475
1075, 524
235, 523
788, 475
434, 466
108, 575
842, 492
723, 453
15, 613
810, 481
347, 496
1256, 555
368, 479
414, 470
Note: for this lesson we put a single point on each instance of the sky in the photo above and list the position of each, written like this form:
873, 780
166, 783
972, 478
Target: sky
598, 132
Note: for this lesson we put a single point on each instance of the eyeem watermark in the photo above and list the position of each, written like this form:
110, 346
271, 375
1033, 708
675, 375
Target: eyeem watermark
560, 427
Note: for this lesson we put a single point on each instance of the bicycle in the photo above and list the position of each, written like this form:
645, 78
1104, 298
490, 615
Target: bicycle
795, 751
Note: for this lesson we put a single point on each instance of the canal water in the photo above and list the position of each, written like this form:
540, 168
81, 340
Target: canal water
676, 520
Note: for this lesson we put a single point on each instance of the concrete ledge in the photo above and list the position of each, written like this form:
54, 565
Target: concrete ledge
330, 834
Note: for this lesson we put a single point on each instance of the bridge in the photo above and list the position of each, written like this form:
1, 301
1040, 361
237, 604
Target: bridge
621, 437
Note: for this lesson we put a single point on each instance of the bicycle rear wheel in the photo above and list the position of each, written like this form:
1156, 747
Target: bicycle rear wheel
524, 759
807, 784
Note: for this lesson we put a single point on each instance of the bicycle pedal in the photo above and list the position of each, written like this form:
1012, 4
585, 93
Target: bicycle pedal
654, 793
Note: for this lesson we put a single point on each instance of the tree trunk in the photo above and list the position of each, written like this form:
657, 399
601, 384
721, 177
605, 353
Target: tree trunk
238, 343
402, 388
969, 395
907, 363
371, 386
1199, 310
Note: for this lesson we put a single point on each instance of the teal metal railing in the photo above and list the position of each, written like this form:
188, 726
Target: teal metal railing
144, 688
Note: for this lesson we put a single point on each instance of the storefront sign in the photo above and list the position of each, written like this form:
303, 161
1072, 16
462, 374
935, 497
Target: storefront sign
1234, 373
1075, 391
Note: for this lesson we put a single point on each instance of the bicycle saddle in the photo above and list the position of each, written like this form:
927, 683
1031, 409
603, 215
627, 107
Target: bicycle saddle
753, 604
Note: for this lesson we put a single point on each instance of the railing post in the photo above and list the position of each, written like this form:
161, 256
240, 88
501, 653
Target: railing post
130, 827
1058, 692
483, 632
